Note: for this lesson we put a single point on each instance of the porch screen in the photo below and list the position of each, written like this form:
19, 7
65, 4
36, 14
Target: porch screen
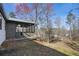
0, 22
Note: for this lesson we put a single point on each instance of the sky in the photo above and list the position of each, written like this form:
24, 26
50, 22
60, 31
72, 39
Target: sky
60, 10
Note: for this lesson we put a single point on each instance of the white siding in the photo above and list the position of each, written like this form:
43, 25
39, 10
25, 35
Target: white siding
2, 32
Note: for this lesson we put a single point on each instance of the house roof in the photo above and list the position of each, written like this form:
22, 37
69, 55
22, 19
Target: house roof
21, 20
13, 19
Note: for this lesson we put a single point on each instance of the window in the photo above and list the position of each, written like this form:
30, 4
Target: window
0, 22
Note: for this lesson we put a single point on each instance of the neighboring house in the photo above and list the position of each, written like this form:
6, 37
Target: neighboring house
11, 28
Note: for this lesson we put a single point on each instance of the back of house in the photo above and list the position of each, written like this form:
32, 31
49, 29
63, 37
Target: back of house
13, 29
2, 29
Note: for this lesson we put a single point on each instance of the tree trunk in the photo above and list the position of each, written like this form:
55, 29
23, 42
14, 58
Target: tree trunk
48, 28
71, 31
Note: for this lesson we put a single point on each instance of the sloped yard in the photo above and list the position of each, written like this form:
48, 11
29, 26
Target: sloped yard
62, 47
31, 48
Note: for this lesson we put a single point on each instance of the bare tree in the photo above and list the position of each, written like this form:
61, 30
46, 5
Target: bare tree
36, 9
48, 10
70, 18
58, 25
23, 10
42, 18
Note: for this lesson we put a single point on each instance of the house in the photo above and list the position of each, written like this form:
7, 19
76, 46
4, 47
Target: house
11, 28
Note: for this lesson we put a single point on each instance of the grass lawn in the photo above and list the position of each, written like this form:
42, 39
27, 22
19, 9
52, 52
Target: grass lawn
61, 47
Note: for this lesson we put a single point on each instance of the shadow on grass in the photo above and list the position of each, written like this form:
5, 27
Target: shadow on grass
31, 48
